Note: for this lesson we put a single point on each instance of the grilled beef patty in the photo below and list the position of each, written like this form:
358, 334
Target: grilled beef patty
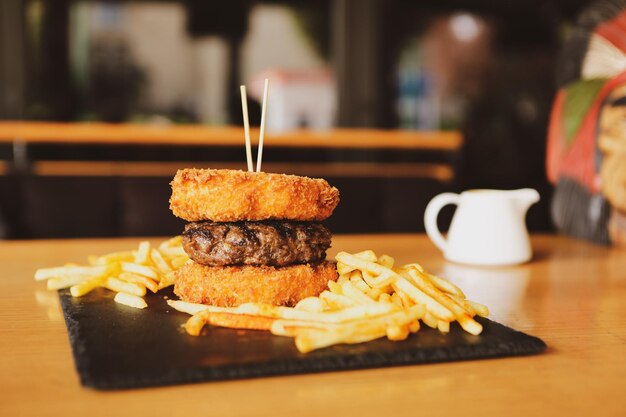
273, 243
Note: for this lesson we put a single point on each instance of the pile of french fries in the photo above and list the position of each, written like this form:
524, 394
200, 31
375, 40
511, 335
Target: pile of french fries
371, 299
130, 273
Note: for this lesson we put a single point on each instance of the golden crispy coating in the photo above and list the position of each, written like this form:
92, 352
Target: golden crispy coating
224, 195
231, 286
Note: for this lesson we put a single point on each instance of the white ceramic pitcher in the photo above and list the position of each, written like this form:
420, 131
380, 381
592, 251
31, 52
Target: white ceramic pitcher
488, 227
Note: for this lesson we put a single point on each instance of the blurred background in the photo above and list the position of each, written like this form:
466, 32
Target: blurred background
391, 101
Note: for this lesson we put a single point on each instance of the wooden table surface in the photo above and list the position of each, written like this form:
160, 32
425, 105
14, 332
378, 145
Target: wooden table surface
572, 295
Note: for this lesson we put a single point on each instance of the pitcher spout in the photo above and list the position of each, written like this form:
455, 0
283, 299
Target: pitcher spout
524, 198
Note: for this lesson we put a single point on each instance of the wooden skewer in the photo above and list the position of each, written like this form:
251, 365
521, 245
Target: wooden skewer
262, 132
246, 126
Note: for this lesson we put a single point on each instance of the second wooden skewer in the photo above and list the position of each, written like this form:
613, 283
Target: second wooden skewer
262, 131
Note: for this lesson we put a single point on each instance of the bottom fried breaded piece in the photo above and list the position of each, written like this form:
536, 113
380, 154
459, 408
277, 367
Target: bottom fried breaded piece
231, 286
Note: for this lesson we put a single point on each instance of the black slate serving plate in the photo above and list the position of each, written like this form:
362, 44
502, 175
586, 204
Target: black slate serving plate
119, 347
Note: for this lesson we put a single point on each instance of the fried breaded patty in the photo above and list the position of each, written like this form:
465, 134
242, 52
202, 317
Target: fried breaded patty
224, 195
235, 285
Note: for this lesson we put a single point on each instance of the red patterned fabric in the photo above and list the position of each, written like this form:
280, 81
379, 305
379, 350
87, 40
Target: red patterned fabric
576, 160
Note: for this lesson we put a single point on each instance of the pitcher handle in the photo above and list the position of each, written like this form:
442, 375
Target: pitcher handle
430, 217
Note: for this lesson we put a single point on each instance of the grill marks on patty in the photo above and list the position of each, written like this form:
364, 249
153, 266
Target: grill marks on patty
274, 243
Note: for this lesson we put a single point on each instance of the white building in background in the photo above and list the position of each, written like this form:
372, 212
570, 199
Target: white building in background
297, 98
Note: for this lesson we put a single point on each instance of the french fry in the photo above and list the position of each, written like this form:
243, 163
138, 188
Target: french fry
69, 271
414, 326
93, 282
359, 263
125, 256
160, 262
472, 307
312, 339
173, 252
343, 278
140, 270
86, 286
480, 309
64, 282
350, 290
139, 279
174, 242
374, 293
386, 261
383, 280
387, 289
395, 332
335, 287
117, 285
406, 301
239, 321
346, 268
430, 320
186, 307
443, 326
343, 269
130, 300
166, 281
357, 280
414, 266
385, 298
179, 261
395, 299
463, 303
445, 285
143, 253
419, 297
314, 304
367, 255
195, 323
290, 328
336, 301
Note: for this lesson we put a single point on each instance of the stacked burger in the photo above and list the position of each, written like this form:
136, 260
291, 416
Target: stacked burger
252, 236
